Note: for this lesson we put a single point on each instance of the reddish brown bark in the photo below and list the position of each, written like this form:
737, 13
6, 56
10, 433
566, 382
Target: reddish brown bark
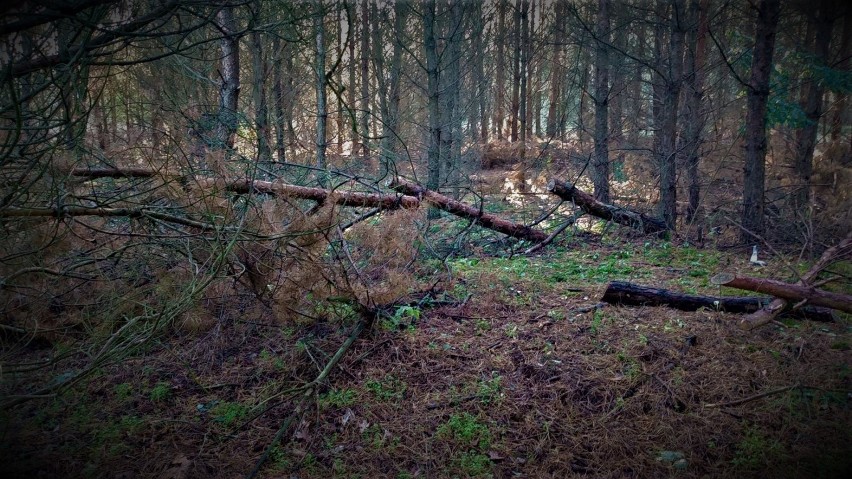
460, 209
343, 198
794, 292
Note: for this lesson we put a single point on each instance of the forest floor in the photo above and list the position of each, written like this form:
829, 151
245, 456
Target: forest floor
511, 370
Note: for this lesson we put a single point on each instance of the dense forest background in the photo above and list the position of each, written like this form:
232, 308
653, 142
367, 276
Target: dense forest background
167, 166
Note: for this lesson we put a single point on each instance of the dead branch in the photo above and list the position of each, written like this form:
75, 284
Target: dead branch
793, 292
618, 214
768, 313
463, 210
620, 292
246, 186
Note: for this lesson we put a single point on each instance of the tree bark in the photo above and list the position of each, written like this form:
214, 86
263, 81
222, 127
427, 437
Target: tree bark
794, 292
807, 136
229, 89
694, 93
245, 186
278, 99
617, 214
516, 73
322, 108
623, 293
433, 151
600, 165
500, 60
667, 128
463, 210
365, 79
770, 311
524, 76
261, 112
556, 72
754, 173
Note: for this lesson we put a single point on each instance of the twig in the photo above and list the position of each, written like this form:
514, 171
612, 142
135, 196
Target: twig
752, 398
309, 390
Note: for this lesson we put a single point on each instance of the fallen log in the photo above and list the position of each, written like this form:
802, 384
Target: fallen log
618, 214
770, 311
463, 210
793, 292
279, 188
620, 292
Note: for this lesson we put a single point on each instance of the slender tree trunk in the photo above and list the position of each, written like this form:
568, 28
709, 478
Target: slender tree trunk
638, 111
694, 93
431, 52
666, 154
450, 123
807, 136
600, 170
388, 89
556, 71
229, 90
516, 72
365, 79
278, 99
755, 130
353, 66
523, 70
340, 120
261, 112
499, 99
322, 108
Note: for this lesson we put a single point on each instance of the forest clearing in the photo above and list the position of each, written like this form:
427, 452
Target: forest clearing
425, 239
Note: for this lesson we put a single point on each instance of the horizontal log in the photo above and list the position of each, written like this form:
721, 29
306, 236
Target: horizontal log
70, 211
620, 292
245, 186
793, 292
617, 214
463, 210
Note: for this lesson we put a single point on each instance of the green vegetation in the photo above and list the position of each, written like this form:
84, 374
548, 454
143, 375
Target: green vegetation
388, 388
229, 413
160, 392
337, 398
756, 449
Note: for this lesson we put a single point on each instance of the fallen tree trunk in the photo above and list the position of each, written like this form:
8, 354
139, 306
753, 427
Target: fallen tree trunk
793, 292
771, 311
617, 214
463, 210
279, 188
620, 292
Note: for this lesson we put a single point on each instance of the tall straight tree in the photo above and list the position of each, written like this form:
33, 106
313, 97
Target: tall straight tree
516, 72
524, 73
322, 108
693, 97
364, 124
757, 91
600, 169
229, 87
388, 85
823, 21
556, 70
261, 112
671, 72
500, 80
430, 50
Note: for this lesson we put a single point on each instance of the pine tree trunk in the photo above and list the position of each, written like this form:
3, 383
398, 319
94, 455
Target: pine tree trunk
754, 177
600, 170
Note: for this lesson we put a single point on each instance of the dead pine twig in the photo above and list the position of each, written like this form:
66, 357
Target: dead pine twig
752, 398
